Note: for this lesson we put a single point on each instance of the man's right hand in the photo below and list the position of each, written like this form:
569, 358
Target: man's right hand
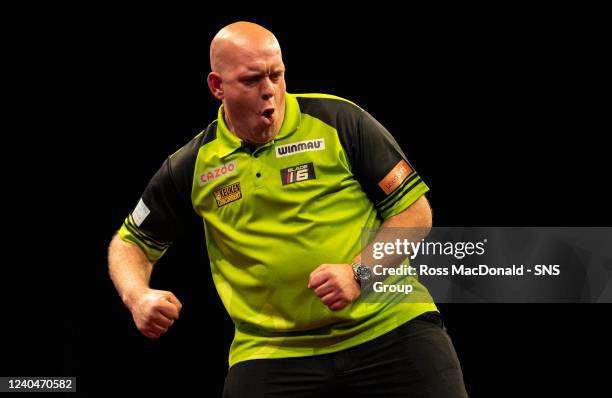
154, 311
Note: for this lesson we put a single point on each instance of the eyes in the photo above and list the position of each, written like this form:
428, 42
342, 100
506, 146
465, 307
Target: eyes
253, 80
275, 77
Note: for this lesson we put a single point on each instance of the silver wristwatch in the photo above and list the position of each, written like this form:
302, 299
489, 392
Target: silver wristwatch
362, 273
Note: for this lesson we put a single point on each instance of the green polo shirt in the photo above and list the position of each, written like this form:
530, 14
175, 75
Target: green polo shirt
272, 214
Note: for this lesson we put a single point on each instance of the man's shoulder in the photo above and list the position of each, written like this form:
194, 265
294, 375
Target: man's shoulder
185, 156
331, 109
329, 100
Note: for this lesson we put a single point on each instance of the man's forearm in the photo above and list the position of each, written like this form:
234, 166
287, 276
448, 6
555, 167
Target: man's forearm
389, 235
413, 225
129, 269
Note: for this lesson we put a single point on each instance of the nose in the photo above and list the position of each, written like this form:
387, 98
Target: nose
267, 89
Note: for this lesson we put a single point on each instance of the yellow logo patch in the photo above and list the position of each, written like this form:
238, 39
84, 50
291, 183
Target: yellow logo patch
227, 194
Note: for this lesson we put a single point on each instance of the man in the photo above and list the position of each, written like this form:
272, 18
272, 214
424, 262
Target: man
284, 184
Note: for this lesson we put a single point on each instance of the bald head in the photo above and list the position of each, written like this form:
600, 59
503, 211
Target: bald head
238, 40
248, 76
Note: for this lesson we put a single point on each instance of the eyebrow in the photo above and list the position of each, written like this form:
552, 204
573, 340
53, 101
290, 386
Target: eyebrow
256, 73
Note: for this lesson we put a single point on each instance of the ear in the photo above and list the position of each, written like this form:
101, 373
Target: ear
215, 84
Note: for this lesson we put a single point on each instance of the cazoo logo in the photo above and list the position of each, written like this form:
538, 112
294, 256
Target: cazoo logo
218, 172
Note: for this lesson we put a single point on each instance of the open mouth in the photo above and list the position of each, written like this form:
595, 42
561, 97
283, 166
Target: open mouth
267, 116
268, 113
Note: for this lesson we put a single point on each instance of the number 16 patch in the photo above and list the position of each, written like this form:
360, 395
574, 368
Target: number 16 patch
299, 173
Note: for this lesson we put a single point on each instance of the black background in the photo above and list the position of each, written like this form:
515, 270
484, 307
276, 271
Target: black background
501, 110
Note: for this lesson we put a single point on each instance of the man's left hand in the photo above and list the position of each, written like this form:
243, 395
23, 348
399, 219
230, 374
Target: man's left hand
335, 285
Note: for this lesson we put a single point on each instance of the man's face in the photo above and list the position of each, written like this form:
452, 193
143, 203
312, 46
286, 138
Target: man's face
254, 93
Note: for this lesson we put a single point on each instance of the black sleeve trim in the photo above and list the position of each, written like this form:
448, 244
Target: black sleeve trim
389, 198
407, 186
150, 242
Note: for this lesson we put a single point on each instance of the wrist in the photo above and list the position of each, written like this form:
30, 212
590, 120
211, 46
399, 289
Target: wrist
132, 296
361, 273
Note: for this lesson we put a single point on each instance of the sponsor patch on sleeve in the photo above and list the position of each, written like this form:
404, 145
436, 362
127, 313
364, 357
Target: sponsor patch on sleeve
395, 177
299, 173
140, 213
227, 194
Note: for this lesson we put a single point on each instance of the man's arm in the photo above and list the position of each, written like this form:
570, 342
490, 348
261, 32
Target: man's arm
417, 221
154, 311
335, 285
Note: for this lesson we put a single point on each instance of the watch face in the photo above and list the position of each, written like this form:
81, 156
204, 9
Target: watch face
364, 272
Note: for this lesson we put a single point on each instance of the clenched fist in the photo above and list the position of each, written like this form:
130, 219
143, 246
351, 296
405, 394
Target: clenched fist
335, 285
155, 311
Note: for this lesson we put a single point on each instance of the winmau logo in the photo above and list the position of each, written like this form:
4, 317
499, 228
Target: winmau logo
301, 146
